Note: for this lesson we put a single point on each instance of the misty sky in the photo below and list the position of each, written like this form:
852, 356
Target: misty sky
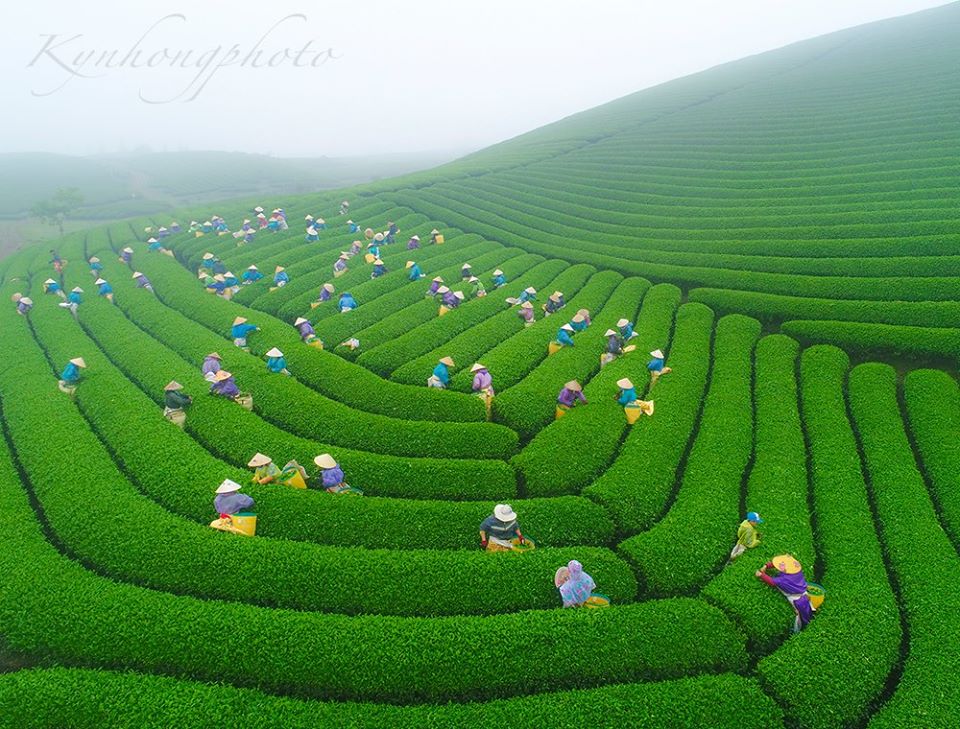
369, 76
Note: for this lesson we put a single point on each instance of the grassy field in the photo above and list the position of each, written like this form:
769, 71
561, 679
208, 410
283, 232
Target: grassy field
784, 228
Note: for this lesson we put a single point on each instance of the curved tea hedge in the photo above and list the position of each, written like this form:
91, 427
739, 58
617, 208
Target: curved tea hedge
738, 216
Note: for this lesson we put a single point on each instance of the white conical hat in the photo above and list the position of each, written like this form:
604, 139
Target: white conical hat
149, 240
136, 274
300, 320
609, 333
498, 272
274, 352
657, 353
258, 209
325, 460
27, 300
438, 279
252, 268
77, 290
477, 367
623, 322
414, 237
410, 264
49, 281
172, 385
624, 383
434, 231
530, 290
467, 265
448, 361
239, 320
567, 327
278, 269
98, 282
578, 318
94, 259
442, 290
128, 249
259, 460
458, 294
228, 487
311, 230
328, 287
207, 256
78, 361
222, 375
526, 305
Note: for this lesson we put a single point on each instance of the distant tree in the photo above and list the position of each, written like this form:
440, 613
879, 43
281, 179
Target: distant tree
55, 210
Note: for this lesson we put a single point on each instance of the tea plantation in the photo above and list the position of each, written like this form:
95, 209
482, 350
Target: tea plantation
785, 228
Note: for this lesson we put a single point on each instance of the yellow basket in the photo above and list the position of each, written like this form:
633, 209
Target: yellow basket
443, 310
633, 412
245, 401
816, 593
245, 523
316, 344
560, 412
369, 258
338, 274
439, 240
296, 481
553, 348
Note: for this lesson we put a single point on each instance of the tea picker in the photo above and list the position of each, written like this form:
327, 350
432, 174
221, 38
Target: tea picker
569, 396
331, 476
577, 587
280, 277
747, 535
379, 269
792, 585
441, 374
626, 329
142, 281
528, 294
500, 531
436, 237
175, 403
414, 243
633, 407
210, 366
346, 303
435, 286
71, 375
414, 272
307, 333
24, 303
52, 287
525, 312
656, 367
240, 330
276, 362
340, 265
483, 385
251, 275
234, 510
499, 279
104, 289
326, 293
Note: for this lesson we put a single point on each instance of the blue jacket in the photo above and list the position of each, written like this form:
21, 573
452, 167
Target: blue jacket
442, 373
655, 365
282, 276
104, 289
276, 364
627, 396
626, 331
249, 275
71, 373
74, 297
415, 272
563, 336
240, 331
379, 271
499, 281
524, 296
346, 302
578, 326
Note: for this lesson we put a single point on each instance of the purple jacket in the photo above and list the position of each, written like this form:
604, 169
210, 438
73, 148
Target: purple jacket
434, 285
306, 330
569, 397
331, 476
526, 314
324, 295
210, 365
795, 584
482, 381
450, 300
232, 503
227, 388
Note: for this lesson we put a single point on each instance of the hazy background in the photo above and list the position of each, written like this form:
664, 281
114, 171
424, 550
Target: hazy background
428, 75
